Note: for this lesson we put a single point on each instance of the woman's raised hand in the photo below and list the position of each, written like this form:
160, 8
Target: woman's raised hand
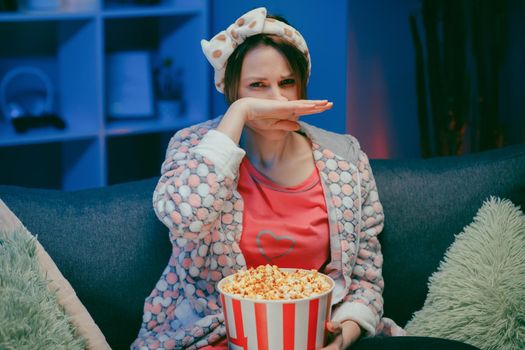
268, 114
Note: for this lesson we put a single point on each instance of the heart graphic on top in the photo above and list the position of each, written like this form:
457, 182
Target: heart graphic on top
273, 246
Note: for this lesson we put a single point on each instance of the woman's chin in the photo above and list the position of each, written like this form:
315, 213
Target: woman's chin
273, 135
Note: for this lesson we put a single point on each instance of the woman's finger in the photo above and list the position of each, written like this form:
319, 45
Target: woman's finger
334, 327
315, 102
312, 110
311, 103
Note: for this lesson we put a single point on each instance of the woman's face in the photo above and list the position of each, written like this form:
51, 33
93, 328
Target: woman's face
266, 74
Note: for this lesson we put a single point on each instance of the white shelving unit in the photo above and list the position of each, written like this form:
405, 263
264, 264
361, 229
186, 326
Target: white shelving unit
71, 46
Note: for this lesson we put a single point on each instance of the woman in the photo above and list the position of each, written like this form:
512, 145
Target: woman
256, 186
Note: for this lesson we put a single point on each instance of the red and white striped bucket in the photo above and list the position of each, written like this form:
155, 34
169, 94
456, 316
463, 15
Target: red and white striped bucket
298, 324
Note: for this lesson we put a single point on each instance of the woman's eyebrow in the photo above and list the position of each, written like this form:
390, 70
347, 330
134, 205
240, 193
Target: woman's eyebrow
264, 78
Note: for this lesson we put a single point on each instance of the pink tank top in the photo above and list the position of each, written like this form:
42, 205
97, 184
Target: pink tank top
283, 226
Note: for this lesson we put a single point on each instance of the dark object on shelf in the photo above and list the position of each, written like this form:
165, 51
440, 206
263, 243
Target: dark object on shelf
26, 92
8, 5
168, 89
24, 123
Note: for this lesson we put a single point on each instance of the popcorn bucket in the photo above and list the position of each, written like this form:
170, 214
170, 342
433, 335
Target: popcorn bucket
291, 324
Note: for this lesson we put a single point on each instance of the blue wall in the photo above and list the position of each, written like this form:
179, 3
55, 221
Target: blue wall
382, 101
324, 28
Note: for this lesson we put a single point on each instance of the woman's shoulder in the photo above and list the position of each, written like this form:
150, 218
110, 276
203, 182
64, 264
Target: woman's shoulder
344, 145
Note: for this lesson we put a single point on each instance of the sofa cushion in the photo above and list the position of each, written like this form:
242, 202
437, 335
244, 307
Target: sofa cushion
30, 315
107, 243
477, 295
427, 202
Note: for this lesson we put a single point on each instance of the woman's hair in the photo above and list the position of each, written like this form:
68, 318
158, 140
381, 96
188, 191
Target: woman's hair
296, 59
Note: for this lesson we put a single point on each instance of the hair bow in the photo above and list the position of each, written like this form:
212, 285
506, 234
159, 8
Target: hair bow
253, 22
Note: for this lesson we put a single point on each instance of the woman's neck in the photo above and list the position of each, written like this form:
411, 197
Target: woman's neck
265, 152
286, 160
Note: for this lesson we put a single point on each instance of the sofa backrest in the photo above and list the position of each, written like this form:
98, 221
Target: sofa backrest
111, 247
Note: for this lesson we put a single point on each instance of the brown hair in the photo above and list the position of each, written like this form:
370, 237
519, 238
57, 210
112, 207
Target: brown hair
296, 59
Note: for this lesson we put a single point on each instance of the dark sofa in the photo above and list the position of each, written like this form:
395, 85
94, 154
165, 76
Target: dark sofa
110, 246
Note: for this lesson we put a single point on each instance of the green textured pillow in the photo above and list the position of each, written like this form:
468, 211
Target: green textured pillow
477, 296
30, 316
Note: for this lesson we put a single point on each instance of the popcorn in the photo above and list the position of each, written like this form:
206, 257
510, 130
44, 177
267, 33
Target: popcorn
268, 282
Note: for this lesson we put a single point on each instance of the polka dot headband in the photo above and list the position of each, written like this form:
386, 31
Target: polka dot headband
254, 22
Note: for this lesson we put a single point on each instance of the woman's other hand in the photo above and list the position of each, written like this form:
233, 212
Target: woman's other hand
342, 335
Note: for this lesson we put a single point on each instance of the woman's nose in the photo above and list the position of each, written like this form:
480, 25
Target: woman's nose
277, 94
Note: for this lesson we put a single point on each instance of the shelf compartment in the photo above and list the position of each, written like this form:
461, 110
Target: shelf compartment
136, 157
57, 165
28, 38
83, 164
142, 33
29, 169
172, 37
64, 52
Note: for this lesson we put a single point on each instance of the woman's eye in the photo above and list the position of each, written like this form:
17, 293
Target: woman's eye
256, 84
288, 82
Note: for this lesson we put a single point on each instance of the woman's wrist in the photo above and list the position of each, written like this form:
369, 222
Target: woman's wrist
352, 331
233, 121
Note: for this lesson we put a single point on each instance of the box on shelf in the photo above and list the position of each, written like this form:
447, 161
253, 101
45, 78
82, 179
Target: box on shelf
129, 85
